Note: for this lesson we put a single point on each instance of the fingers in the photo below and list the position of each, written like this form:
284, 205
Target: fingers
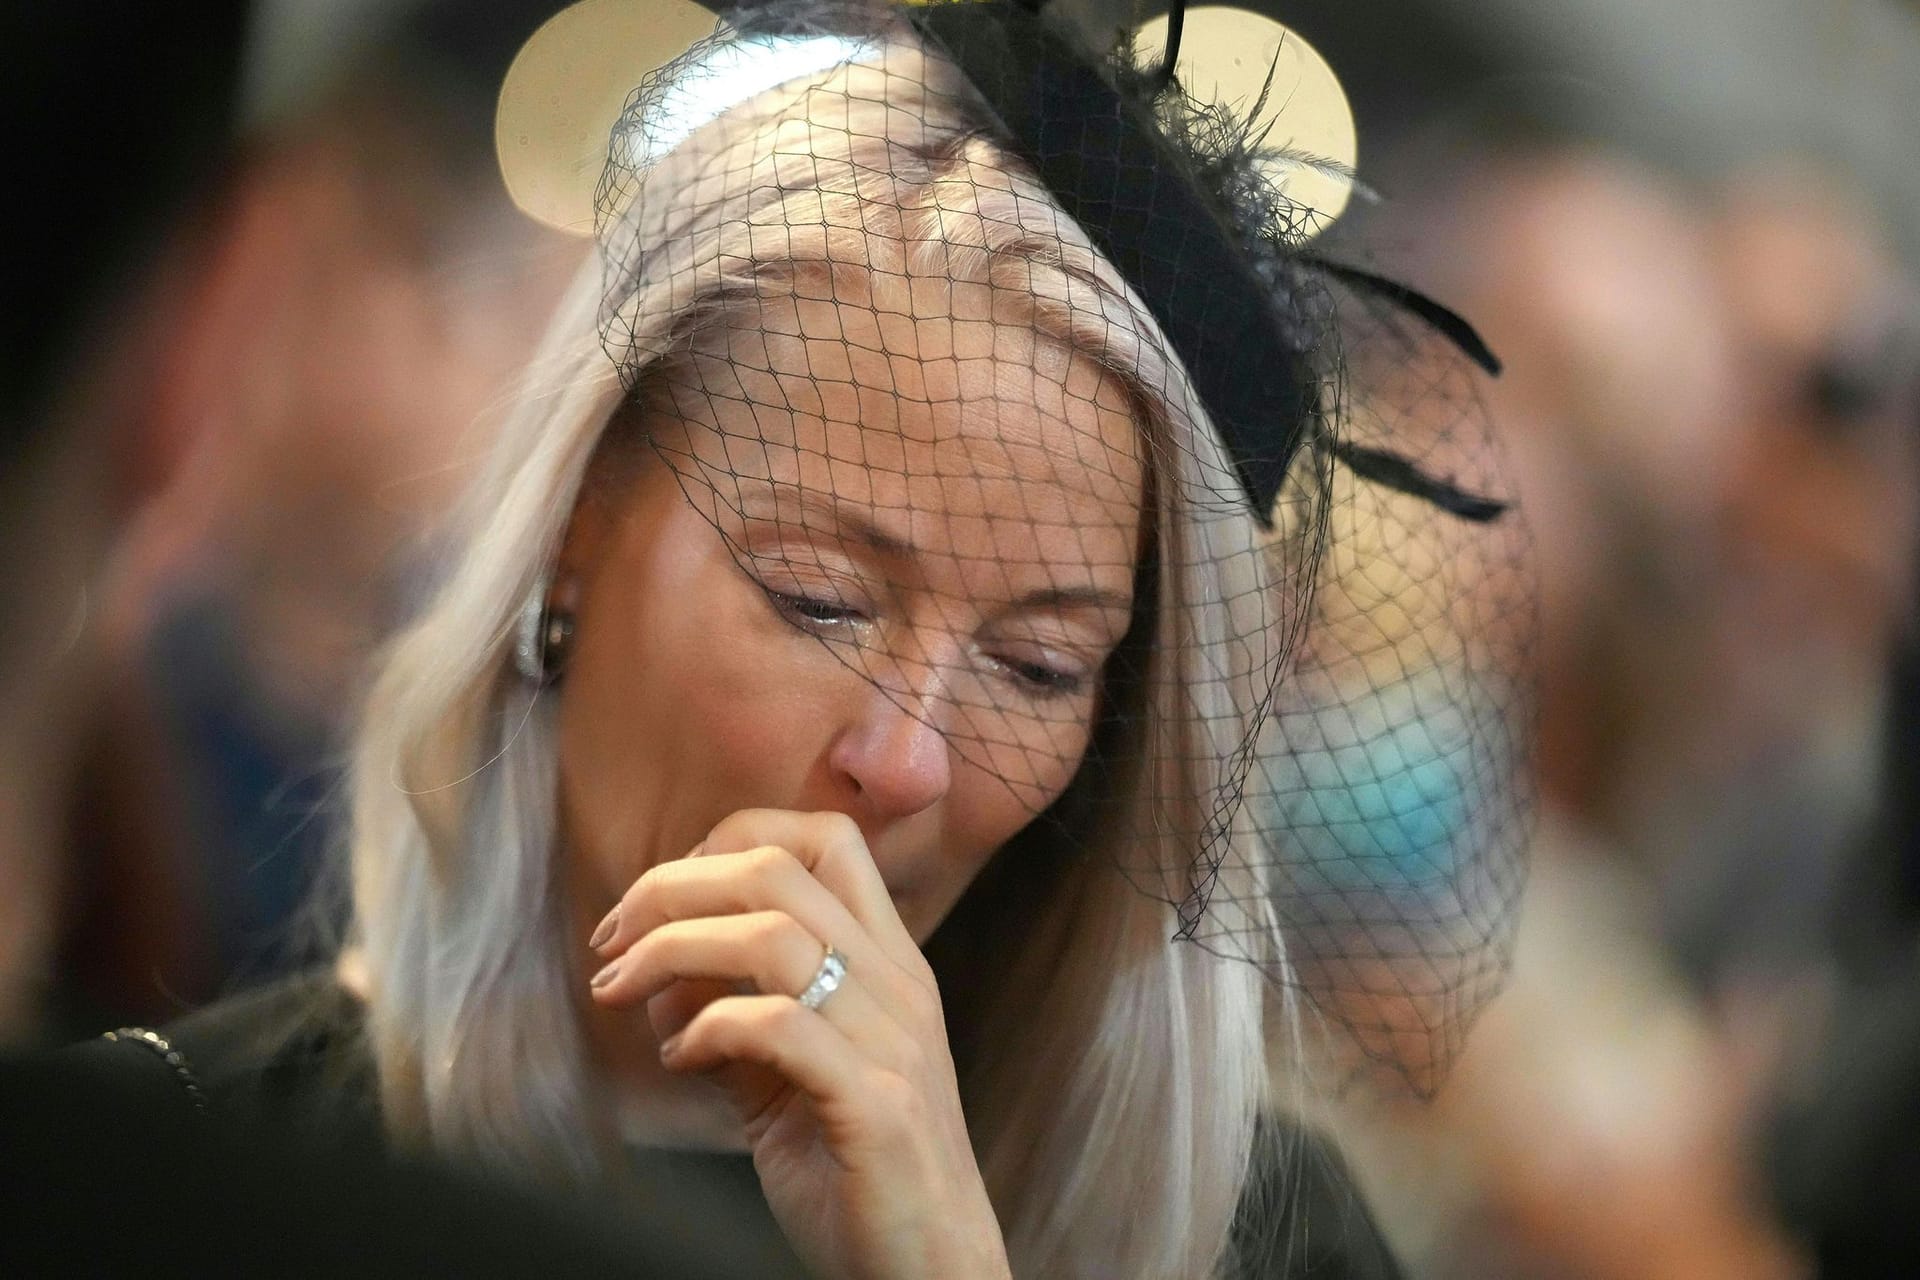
768, 878
832, 849
769, 949
801, 1047
766, 950
669, 1012
769, 859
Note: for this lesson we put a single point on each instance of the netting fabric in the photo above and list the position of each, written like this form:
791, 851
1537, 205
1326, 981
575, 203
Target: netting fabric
1007, 374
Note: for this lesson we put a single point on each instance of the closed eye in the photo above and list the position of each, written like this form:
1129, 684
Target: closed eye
810, 611
1041, 679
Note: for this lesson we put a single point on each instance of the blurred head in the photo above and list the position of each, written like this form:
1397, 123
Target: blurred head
1707, 399
361, 301
355, 289
883, 497
1821, 514
76, 301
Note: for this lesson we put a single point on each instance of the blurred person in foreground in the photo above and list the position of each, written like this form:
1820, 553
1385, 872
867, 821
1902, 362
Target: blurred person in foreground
356, 294
1706, 399
1844, 1126
89, 296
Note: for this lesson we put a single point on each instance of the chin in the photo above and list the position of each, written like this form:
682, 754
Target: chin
913, 914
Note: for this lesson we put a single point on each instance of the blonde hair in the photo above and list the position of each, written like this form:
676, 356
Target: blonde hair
1113, 1113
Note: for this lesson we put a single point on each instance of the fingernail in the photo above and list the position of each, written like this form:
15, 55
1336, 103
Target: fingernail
605, 931
669, 1047
606, 975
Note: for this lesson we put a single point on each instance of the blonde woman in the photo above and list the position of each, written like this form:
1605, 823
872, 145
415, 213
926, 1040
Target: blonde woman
835, 705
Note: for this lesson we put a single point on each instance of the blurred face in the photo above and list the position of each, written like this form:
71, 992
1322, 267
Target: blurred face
1821, 512
875, 562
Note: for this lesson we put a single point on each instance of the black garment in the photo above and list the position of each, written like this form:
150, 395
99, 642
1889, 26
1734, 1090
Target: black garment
255, 1149
1302, 1218
289, 1058
287, 1054
1842, 1142
98, 1180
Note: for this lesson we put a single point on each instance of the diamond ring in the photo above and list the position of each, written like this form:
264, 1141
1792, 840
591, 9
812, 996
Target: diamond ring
833, 972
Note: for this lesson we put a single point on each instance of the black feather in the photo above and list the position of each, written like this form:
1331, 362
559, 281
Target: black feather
1396, 473
1444, 320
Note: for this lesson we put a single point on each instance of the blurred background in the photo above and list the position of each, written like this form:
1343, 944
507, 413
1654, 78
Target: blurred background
1691, 230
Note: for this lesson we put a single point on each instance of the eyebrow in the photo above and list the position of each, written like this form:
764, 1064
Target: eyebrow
849, 522
1075, 598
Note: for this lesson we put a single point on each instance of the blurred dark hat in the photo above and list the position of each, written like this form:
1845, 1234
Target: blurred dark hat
126, 110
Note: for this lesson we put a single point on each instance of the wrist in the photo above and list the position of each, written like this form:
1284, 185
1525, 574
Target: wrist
979, 1254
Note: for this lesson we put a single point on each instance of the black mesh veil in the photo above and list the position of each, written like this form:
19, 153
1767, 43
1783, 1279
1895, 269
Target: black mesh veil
1014, 381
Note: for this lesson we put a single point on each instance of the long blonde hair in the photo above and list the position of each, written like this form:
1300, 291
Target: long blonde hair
1115, 1076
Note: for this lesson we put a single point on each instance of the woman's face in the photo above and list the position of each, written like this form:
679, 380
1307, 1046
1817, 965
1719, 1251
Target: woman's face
874, 563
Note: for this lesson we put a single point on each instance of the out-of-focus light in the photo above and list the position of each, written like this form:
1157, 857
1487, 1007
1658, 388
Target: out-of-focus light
1226, 56
565, 90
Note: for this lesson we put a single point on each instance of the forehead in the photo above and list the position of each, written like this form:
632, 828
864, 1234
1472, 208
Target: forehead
934, 400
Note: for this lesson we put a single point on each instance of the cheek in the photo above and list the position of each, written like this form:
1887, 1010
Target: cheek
988, 814
999, 787
680, 704
1027, 754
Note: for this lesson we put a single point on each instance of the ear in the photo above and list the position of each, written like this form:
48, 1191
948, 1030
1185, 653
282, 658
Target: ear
589, 534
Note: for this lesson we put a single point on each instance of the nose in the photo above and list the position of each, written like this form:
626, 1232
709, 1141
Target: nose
891, 754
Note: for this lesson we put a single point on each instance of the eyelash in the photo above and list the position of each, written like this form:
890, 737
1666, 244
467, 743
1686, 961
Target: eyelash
807, 611
1044, 681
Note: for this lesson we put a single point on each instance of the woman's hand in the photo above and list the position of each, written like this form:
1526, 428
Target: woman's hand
852, 1109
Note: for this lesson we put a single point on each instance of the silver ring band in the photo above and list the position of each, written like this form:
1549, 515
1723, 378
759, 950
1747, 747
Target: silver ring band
833, 972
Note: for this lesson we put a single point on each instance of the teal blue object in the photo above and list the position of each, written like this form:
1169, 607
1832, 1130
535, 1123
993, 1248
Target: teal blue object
1384, 814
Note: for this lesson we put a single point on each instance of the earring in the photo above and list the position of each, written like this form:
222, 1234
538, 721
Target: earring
542, 637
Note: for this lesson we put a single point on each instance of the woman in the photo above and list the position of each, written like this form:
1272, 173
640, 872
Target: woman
893, 580
839, 609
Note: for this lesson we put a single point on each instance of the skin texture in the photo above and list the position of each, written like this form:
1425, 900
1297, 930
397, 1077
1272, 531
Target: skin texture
840, 636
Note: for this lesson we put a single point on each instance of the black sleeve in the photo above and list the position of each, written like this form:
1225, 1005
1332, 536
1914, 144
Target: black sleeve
107, 1172
1302, 1217
132, 1068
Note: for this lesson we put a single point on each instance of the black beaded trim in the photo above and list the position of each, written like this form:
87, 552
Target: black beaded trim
174, 1059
